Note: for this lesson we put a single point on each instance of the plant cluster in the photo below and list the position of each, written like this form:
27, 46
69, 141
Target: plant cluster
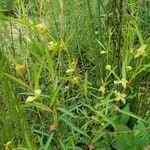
75, 75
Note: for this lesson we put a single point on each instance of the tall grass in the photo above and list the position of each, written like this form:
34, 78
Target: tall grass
74, 74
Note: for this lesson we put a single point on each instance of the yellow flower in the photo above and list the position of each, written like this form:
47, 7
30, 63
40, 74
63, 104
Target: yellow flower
58, 46
108, 67
129, 68
51, 42
41, 27
30, 99
52, 46
37, 92
73, 64
120, 96
141, 51
102, 52
7, 145
72, 67
20, 68
69, 71
123, 82
102, 89
76, 80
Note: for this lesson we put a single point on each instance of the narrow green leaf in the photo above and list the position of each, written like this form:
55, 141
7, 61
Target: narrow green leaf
38, 105
85, 85
107, 119
101, 45
66, 112
62, 145
37, 74
132, 115
12, 78
47, 145
74, 127
28, 142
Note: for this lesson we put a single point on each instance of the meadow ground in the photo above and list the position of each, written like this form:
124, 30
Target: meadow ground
75, 74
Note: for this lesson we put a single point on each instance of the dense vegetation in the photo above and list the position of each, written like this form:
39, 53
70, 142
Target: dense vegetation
74, 74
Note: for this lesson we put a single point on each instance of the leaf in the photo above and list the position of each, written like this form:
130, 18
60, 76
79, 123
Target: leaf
124, 139
142, 133
66, 112
143, 68
28, 142
37, 75
62, 145
107, 102
101, 45
103, 145
85, 85
123, 118
12, 78
28, 24
141, 51
131, 114
48, 142
30, 99
41, 133
74, 127
122, 128
139, 34
38, 105
107, 119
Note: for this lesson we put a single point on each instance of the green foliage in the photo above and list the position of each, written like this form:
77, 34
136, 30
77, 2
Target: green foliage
74, 74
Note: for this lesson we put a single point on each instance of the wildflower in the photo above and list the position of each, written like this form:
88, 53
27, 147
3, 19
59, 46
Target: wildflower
116, 108
52, 46
72, 67
123, 82
30, 99
20, 68
67, 87
41, 27
61, 46
51, 42
102, 52
73, 64
53, 127
129, 68
102, 124
69, 71
58, 46
102, 89
108, 67
120, 96
37, 92
141, 51
90, 147
96, 32
7, 145
76, 80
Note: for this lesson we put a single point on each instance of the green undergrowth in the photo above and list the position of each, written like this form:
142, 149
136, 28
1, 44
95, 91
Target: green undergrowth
74, 75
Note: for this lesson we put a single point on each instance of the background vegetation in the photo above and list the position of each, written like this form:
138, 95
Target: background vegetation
74, 74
